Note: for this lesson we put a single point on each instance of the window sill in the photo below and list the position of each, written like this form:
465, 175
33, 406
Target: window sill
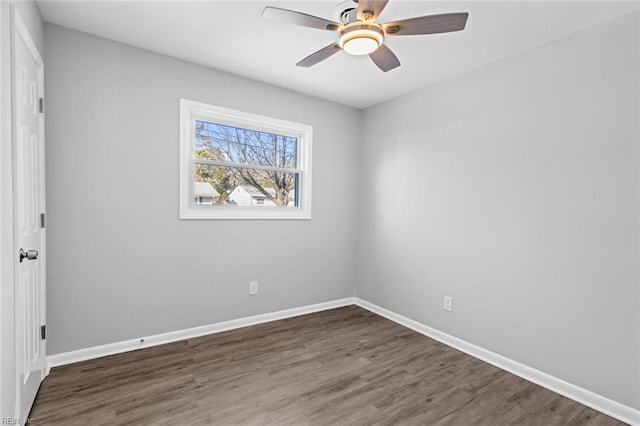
251, 213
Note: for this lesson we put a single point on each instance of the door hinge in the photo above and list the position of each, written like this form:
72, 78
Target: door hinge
41, 105
43, 332
42, 220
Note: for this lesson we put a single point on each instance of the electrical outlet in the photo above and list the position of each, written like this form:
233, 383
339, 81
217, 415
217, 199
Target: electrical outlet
253, 288
448, 303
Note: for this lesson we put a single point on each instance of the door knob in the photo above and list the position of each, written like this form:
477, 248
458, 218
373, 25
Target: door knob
29, 255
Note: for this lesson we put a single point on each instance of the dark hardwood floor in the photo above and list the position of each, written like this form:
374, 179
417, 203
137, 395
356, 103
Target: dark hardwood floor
344, 366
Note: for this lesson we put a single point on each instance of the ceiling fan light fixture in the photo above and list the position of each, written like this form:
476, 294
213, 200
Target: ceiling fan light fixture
361, 45
360, 38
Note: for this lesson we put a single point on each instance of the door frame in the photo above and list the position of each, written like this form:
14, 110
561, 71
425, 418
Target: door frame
7, 358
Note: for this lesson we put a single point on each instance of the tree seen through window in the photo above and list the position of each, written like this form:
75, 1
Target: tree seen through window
234, 159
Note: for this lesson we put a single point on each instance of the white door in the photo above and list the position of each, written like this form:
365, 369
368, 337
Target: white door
28, 186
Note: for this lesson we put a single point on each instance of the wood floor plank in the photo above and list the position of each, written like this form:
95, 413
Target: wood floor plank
343, 366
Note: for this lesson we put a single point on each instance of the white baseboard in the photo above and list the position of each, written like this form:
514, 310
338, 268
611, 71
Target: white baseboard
607, 406
174, 336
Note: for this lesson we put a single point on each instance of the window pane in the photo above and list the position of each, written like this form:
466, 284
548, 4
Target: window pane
244, 146
217, 185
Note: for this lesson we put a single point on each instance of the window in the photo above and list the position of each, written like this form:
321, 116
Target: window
235, 165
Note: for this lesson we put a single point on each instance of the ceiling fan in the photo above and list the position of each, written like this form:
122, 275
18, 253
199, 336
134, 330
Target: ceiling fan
360, 34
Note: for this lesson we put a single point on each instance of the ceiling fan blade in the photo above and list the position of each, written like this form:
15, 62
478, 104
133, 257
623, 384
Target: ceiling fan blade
299, 18
369, 10
384, 58
432, 24
320, 55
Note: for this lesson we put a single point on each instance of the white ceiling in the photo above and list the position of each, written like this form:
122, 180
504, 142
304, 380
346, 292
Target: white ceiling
231, 36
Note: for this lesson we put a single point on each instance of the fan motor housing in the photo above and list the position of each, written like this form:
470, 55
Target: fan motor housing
361, 29
361, 32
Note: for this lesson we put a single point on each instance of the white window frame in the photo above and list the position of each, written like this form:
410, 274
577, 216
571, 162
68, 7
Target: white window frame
192, 110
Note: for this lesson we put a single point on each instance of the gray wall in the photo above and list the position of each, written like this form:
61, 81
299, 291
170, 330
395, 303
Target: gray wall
121, 265
514, 189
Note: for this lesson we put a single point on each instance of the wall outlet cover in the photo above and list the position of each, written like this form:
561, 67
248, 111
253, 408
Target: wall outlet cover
448, 303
